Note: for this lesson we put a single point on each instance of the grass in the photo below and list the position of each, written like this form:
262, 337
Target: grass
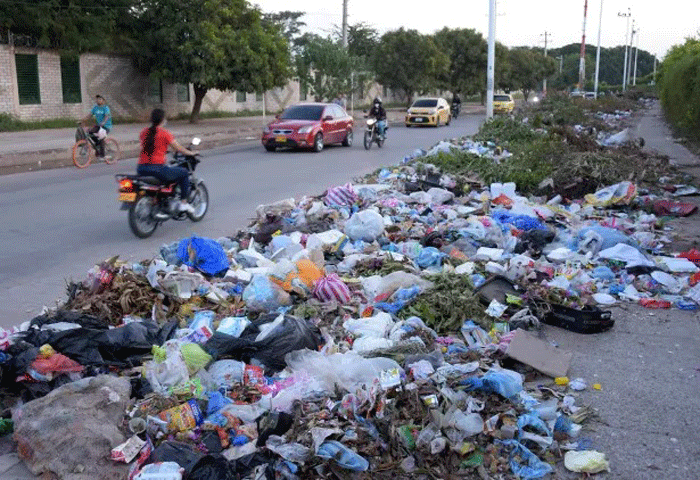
222, 114
9, 123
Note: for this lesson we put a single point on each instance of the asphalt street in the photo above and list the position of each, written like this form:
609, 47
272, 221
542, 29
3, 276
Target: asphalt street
59, 223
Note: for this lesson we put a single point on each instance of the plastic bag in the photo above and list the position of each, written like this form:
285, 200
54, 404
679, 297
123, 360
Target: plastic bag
530, 466
195, 357
365, 225
341, 195
330, 288
168, 373
506, 383
586, 461
180, 453
469, 423
225, 373
429, 257
342, 455
233, 326
619, 194
263, 295
56, 363
204, 254
160, 471
212, 467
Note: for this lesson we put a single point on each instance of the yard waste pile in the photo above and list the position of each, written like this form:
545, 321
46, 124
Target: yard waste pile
387, 328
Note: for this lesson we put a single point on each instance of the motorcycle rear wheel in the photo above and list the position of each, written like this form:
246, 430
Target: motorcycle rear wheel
199, 199
141, 219
368, 140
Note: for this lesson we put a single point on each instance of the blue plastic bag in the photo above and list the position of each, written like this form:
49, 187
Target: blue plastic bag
521, 222
429, 257
342, 455
204, 254
531, 467
504, 382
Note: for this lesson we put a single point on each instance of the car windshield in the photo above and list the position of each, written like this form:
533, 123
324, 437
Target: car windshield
425, 103
302, 112
501, 98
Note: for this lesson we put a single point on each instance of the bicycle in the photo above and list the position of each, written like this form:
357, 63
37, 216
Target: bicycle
86, 146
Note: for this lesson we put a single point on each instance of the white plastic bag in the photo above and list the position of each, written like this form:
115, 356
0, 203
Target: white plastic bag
365, 225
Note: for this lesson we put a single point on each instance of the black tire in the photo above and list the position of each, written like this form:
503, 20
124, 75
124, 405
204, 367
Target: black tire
437, 121
368, 140
347, 141
270, 148
380, 141
449, 119
408, 125
141, 219
318, 142
199, 199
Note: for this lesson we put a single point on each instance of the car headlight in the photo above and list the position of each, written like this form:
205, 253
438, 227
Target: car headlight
266, 129
306, 129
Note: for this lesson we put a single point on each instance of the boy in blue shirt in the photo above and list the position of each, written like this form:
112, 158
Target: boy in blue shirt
103, 119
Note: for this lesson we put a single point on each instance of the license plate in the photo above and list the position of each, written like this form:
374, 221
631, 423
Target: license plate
280, 138
418, 120
127, 197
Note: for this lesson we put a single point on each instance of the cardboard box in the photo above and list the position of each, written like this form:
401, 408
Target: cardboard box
540, 355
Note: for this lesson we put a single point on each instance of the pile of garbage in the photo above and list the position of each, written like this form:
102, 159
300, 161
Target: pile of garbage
379, 330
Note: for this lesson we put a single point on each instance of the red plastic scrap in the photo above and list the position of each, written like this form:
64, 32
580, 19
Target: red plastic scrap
671, 208
693, 255
654, 303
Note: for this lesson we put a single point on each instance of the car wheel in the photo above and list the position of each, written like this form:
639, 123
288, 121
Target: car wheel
449, 119
270, 148
347, 142
408, 125
437, 121
318, 142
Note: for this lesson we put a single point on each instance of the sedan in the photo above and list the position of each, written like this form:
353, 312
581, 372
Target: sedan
429, 111
503, 103
309, 125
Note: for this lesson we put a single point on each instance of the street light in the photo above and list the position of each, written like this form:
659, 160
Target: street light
624, 71
597, 55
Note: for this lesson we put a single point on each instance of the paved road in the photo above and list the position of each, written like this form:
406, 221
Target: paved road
59, 223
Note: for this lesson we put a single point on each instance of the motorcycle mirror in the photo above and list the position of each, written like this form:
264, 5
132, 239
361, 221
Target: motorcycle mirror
196, 141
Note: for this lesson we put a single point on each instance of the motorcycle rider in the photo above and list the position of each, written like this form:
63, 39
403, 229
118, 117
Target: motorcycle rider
154, 145
456, 102
377, 111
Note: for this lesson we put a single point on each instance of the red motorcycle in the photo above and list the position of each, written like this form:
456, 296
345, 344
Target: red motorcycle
151, 202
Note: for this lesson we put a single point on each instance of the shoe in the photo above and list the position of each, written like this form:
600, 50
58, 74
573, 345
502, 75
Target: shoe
185, 207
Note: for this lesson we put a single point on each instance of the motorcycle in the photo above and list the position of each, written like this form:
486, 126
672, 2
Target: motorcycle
151, 202
455, 110
372, 134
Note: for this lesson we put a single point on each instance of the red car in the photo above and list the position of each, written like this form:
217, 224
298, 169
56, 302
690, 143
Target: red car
309, 125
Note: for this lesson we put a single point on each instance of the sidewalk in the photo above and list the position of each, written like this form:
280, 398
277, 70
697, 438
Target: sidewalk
52, 148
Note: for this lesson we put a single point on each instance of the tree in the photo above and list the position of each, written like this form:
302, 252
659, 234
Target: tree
324, 66
679, 86
410, 62
362, 39
529, 67
68, 25
466, 49
222, 44
288, 22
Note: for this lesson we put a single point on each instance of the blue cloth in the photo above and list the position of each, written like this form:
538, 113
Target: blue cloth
168, 174
204, 254
381, 126
521, 222
100, 112
524, 463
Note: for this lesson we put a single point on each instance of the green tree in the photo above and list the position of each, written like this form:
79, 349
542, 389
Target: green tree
221, 44
407, 61
68, 25
529, 67
288, 22
466, 49
324, 66
679, 86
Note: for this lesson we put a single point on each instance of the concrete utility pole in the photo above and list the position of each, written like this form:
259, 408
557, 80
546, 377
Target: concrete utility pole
629, 57
345, 23
597, 54
490, 65
544, 82
582, 61
653, 79
636, 51
627, 28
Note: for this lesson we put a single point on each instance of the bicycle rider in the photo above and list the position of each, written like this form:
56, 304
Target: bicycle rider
103, 119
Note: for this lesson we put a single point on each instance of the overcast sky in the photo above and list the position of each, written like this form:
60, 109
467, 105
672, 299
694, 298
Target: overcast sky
661, 24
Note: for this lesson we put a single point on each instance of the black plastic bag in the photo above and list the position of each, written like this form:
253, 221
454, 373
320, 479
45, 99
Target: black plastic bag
242, 466
213, 467
180, 453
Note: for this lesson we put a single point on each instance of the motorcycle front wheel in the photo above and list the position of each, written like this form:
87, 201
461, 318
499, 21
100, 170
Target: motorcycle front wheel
141, 219
199, 199
368, 140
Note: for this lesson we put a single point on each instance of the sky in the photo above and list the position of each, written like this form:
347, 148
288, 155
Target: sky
660, 24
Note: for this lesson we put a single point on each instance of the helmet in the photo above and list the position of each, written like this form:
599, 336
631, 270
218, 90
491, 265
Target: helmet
377, 100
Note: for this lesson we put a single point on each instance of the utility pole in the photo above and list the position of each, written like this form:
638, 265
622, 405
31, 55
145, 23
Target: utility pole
544, 82
490, 65
627, 28
345, 23
582, 61
636, 51
597, 54
653, 79
561, 63
629, 57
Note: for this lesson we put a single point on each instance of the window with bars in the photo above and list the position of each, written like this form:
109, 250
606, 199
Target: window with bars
240, 97
70, 79
27, 79
183, 92
155, 90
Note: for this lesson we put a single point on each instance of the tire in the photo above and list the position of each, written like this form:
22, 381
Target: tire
437, 121
347, 141
83, 153
199, 199
449, 119
141, 220
270, 148
318, 142
368, 140
380, 141
408, 125
112, 151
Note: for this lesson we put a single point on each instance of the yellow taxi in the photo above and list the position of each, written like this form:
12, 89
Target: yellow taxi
503, 103
429, 111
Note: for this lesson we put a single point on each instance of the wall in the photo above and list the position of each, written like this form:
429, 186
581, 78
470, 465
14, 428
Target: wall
124, 88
